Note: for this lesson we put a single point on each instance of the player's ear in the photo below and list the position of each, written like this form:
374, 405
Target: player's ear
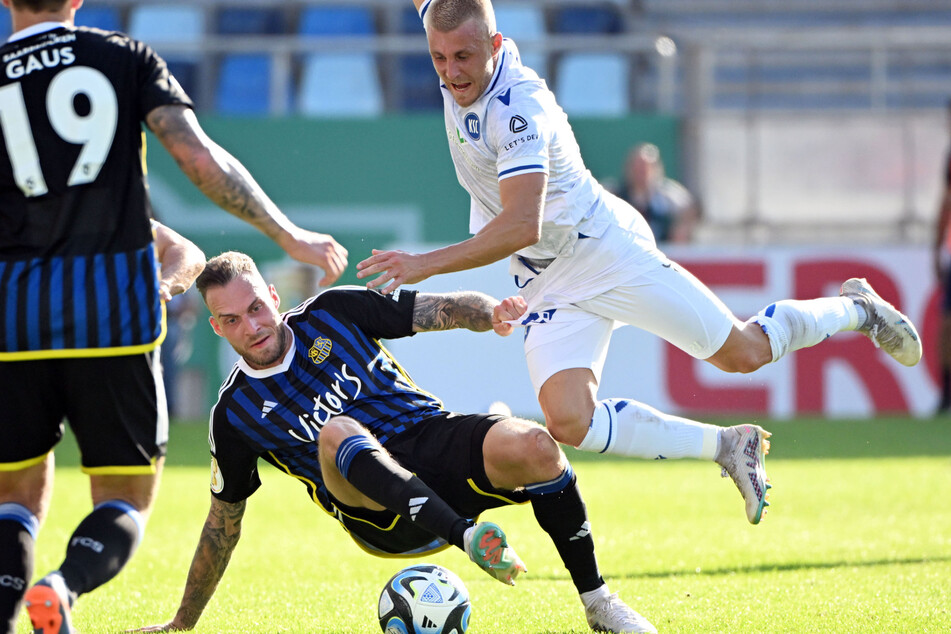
274, 296
496, 43
215, 326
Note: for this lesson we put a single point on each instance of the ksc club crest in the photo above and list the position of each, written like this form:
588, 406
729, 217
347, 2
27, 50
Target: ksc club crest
319, 351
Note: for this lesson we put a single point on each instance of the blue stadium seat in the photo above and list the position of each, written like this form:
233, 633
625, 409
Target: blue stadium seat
167, 23
105, 18
417, 85
186, 73
588, 19
340, 85
6, 26
523, 23
336, 20
593, 84
249, 21
244, 85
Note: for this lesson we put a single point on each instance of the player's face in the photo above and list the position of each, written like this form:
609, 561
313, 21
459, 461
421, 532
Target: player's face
245, 312
464, 59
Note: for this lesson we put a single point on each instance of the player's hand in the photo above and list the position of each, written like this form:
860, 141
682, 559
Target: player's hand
318, 249
394, 268
509, 309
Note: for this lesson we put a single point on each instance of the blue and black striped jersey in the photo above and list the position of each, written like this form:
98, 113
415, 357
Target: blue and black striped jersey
78, 272
336, 366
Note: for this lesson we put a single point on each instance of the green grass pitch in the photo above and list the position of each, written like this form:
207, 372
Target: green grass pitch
858, 539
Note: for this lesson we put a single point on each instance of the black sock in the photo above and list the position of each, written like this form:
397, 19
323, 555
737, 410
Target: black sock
16, 564
383, 480
563, 515
100, 546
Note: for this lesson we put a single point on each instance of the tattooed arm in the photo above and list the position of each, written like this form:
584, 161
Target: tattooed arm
445, 311
224, 180
218, 538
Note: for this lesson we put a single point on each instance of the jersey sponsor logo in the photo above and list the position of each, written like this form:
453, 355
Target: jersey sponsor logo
345, 389
517, 124
514, 143
217, 480
320, 350
473, 126
461, 139
505, 97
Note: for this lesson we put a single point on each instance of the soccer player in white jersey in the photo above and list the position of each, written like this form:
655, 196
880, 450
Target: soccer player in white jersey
585, 260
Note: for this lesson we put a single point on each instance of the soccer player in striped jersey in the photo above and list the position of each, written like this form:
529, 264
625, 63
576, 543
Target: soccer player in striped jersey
317, 396
81, 314
585, 262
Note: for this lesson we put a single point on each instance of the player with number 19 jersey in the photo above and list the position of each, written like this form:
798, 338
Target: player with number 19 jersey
78, 271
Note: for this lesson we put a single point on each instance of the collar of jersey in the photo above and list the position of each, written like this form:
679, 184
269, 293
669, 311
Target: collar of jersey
281, 367
36, 29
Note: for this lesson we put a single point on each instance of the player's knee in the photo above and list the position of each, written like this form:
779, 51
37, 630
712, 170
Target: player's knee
568, 427
335, 432
542, 454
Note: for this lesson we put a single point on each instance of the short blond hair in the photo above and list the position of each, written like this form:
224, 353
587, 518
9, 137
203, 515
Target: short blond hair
448, 15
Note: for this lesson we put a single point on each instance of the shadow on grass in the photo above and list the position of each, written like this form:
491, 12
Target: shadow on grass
792, 439
764, 568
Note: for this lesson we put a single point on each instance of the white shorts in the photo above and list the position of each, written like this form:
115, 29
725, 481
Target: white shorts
578, 300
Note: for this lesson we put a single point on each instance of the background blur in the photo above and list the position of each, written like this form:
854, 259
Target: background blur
813, 133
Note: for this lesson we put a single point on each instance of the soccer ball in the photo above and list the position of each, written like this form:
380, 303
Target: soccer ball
424, 599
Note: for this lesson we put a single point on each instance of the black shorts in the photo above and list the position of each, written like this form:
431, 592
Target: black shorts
445, 452
114, 405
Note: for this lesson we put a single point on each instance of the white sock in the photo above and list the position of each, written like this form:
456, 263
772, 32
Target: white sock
627, 428
589, 597
793, 324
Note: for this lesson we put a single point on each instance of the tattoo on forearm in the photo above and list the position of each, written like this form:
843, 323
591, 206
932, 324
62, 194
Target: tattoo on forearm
218, 538
467, 309
228, 184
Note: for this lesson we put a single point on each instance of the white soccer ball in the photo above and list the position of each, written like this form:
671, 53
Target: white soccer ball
424, 599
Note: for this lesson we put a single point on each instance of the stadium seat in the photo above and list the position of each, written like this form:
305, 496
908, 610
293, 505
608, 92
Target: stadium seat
186, 73
249, 21
603, 18
244, 85
593, 84
5, 25
340, 85
105, 18
336, 20
524, 23
167, 23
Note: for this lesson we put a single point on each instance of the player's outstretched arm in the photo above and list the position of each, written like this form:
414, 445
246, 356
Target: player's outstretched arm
224, 180
518, 226
444, 311
180, 259
218, 538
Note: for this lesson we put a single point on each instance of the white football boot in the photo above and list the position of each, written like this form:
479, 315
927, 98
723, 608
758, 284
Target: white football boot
607, 613
742, 456
888, 329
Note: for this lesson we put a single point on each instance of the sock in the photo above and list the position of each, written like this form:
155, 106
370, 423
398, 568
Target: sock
793, 324
18, 528
375, 474
560, 511
101, 545
628, 428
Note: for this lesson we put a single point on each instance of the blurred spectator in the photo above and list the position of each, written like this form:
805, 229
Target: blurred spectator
670, 209
176, 350
942, 266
